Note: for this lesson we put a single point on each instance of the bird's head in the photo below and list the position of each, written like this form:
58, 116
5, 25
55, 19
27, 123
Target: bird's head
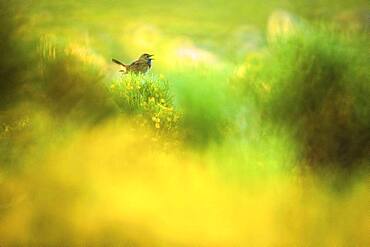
147, 57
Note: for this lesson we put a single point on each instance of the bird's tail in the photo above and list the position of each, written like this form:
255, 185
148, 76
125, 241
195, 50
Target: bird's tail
119, 63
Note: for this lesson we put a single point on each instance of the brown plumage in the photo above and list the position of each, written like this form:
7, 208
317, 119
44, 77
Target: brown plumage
142, 65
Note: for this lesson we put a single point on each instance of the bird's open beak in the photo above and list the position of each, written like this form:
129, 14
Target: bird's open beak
150, 55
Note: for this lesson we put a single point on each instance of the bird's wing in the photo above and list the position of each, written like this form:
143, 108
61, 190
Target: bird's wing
136, 63
137, 66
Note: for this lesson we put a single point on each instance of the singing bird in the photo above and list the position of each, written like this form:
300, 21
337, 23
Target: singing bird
142, 65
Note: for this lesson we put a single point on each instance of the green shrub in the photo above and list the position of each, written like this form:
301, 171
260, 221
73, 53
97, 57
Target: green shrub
147, 97
208, 107
316, 85
70, 83
16, 60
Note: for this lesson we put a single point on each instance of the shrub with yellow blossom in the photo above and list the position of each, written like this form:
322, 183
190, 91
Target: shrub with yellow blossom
147, 97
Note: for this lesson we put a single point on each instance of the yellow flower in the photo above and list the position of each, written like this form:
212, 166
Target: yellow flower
157, 125
129, 87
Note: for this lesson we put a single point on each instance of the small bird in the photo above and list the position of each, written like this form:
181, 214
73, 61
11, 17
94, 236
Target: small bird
142, 65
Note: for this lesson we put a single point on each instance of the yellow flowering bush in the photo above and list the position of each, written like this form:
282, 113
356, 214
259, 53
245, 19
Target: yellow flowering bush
147, 97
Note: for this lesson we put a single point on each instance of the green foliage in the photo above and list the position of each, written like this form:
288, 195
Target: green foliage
148, 97
70, 84
316, 85
207, 104
15, 60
